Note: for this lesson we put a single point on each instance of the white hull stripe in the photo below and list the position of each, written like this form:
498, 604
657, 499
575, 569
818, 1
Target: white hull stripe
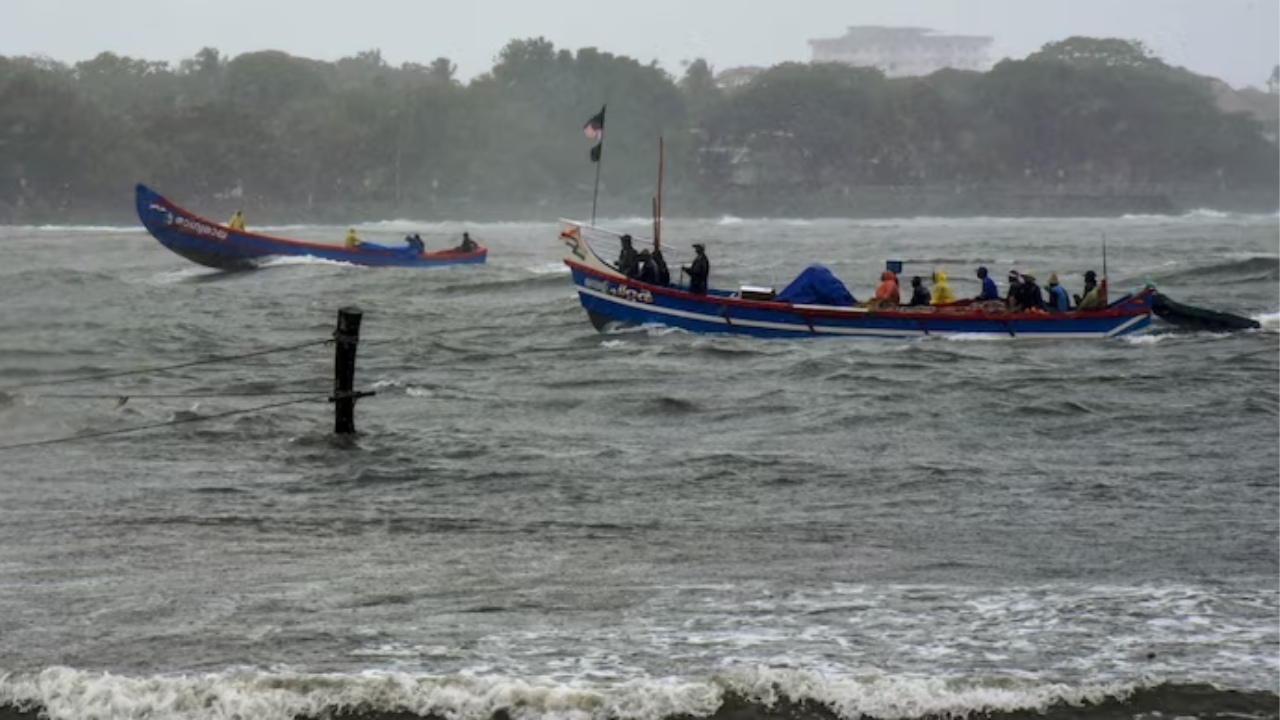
833, 330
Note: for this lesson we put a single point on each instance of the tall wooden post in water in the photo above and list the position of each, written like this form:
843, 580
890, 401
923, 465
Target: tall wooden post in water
345, 338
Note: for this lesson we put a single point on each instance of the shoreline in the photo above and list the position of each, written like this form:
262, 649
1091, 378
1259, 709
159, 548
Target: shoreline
867, 203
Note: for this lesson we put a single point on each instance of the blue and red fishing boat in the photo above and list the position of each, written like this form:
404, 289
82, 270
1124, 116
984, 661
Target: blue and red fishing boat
218, 246
612, 299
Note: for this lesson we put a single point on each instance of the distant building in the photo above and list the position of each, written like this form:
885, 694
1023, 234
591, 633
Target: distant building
904, 51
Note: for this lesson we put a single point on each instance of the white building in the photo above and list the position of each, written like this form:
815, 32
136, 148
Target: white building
904, 51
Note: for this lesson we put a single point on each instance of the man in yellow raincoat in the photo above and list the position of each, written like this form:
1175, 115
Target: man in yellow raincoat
237, 221
351, 240
941, 290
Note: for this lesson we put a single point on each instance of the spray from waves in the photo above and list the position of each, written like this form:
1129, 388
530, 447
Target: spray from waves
1201, 214
1270, 322
173, 277
285, 260
551, 268
745, 694
1252, 268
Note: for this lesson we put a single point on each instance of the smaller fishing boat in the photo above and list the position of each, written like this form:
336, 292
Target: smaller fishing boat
215, 245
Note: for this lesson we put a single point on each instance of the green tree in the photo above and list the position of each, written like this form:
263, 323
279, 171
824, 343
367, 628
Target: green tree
1107, 52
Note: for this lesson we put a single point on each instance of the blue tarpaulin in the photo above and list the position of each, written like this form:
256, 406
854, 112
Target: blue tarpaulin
816, 285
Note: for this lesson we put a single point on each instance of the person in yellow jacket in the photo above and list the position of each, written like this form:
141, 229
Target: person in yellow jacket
941, 290
351, 240
237, 221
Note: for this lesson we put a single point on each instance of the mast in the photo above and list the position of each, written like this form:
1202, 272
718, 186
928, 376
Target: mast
657, 201
1102, 290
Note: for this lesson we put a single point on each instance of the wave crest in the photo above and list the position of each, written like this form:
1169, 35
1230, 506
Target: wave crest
742, 694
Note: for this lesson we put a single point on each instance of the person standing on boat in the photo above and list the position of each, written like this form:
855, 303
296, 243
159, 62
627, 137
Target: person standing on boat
662, 272
237, 221
919, 293
699, 271
468, 245
989, 290
415, 243
1058, 300
628, 261
887, 290
648, 271
351, 241
942, 294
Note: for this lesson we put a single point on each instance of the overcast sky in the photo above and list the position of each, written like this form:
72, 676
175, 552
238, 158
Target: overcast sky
1236, 40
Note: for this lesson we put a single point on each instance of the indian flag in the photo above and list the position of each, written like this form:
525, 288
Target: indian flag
594, 129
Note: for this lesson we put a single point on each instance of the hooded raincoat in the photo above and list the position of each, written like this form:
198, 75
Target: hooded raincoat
941, 290
888, 288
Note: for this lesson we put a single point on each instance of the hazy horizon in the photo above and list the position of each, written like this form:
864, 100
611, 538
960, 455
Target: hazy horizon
1237, 41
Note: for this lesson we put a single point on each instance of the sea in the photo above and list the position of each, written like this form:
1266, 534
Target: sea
538, 521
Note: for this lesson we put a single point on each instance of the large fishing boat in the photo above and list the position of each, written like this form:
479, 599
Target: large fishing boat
612, 300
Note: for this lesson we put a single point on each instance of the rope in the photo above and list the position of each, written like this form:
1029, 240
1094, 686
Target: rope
163, 368
152, 426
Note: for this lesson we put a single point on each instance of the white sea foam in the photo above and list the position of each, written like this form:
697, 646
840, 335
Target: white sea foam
1270, 321
552, 268
975, 337
283, 260
66, 693
182, 275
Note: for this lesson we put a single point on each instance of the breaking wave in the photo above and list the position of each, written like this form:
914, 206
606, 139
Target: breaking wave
61, 693
1247, 269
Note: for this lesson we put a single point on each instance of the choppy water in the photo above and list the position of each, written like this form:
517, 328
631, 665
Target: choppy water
539, 521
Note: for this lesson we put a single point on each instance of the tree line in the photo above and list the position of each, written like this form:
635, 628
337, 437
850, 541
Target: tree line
293, 138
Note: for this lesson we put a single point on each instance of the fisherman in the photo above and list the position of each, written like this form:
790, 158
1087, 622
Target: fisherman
237, 221
351, 240
887, 290
1092, 299
942, 294
1011, 297
468, 245
1029, 296
1058, 300
628, 262
1090, 282
699, 271
416, 244
648, 271
919, 293
662, 272
989, 290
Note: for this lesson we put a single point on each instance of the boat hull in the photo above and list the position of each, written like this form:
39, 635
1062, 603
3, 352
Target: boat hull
611, 300
214, 245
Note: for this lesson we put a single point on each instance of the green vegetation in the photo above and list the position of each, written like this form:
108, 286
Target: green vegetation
1084, 125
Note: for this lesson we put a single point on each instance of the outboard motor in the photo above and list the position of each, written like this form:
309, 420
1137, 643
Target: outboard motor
1194, 318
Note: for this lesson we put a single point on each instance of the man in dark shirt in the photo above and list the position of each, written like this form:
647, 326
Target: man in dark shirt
699, 271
